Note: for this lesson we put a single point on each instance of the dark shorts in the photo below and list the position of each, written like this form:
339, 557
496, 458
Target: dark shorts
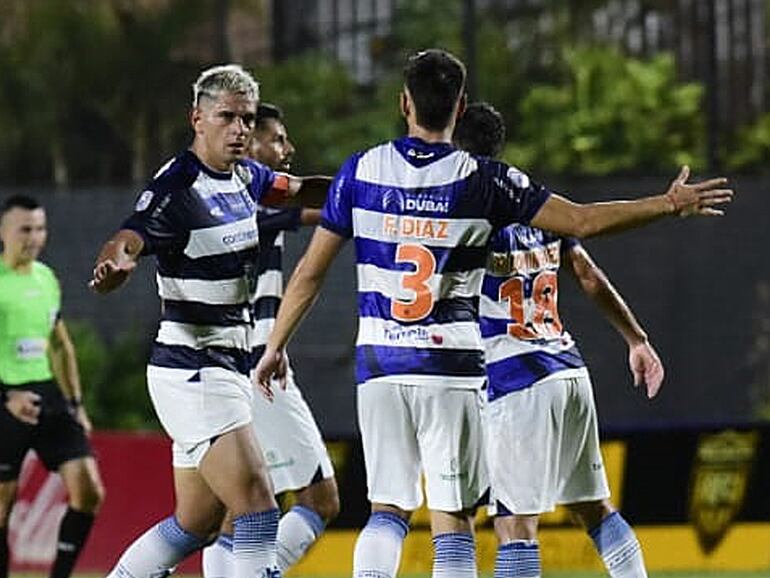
57, 437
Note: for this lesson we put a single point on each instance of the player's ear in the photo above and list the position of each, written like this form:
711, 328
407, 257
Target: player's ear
404, 103
462, 104
195, 118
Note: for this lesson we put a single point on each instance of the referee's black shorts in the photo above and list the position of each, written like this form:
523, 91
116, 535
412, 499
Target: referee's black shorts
57, 437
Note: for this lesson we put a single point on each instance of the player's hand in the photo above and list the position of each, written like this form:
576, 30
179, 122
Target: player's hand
646, 367
690, 199
272, 365
82, 418
108, 275
24, 406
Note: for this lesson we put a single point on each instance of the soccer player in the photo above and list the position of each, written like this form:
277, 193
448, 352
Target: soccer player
40, 412
421, 213
541, 427
296, 455
198, 217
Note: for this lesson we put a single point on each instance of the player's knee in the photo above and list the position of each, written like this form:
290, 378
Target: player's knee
88, 497
513, 527
329, 507
590, 514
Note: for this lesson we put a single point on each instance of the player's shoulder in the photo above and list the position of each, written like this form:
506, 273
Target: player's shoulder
44, 271
177, 174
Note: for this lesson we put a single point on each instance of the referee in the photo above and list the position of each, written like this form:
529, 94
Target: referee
36, 413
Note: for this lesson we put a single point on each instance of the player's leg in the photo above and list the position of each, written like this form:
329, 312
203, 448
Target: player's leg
448, 422
7, 498
85, 495
524, 433
298, 461
613, 537
391, 457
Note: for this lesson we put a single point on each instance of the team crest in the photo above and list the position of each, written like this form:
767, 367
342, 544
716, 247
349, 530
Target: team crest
143, 201
720, 478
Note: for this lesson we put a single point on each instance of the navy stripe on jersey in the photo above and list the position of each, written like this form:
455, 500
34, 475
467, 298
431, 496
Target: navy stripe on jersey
211, 268
448, 259
522, 371
453, 310
373, 361
183, 357
266, 308
204, 314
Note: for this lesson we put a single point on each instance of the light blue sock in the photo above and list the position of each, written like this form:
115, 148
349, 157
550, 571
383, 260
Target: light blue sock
617, 545
518, 559
454, 556
378, 548
254, 547
218, 560
157, 551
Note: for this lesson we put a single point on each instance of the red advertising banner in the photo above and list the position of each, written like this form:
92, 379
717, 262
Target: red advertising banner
136, 470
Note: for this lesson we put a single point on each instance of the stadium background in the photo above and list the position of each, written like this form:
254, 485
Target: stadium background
603, 98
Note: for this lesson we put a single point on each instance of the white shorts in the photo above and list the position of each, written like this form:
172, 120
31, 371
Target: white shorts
542, 446
194, 413
290, 439
410, 430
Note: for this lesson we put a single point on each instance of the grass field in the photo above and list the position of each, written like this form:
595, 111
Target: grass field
545, 575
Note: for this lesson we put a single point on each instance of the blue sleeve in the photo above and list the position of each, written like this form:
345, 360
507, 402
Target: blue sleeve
154, 220
337, 213
514, 197
259, 179
281, 220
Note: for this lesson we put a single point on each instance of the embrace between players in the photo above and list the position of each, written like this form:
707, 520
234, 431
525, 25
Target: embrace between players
440, 316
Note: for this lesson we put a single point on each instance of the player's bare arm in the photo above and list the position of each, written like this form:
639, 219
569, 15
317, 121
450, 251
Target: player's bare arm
643, 360
682, 198
310, 217
301, 293
293, 191
65, 368
116, 261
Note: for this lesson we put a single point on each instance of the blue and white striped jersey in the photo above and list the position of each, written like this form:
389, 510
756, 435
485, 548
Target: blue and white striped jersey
272, 223
523, 335
421, 215
201, 226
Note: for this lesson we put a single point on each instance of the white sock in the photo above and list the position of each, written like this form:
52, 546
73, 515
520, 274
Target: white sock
617, 545
157, 551
218, 559
378, 548
297, 530
254, 545
454, 556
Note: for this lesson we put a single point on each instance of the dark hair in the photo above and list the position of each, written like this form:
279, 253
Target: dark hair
480, 130
19, 202
435, 79
266, 111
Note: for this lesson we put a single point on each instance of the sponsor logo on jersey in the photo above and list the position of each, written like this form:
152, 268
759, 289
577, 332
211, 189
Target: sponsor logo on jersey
394, 334
415, 154
415, 227
239, 237
395, 201
723, 464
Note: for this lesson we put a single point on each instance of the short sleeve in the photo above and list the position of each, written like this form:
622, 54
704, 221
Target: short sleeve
569, 243
337, 213
153, 221
514, 197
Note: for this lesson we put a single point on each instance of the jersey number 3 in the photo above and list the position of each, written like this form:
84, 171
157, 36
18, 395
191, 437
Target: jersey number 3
420, 306
543, 318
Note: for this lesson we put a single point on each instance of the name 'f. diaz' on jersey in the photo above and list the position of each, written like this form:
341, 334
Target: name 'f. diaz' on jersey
421, 215
523, 336
201, 226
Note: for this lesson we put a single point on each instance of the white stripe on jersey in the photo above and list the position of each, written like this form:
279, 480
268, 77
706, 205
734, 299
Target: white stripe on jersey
205, 186
431, 380
202, 336
504, 346
458, 335
442, 286
384, 165
220, 292
430, 231
270, 284
230, 237
261, 331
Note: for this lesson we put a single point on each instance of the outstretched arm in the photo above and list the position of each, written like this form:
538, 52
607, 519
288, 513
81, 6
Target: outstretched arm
682, 198
116, 261
301, 293
643, 360
293, 191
